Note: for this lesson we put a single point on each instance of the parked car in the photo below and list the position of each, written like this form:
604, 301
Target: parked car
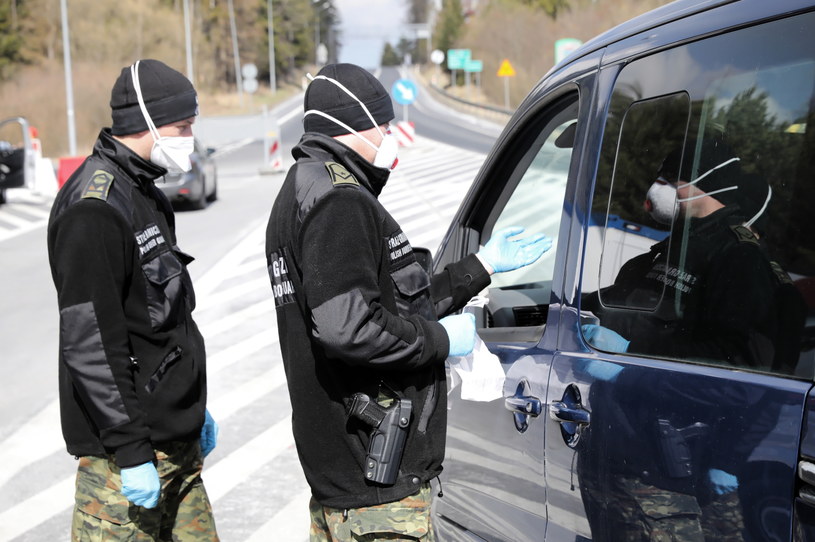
197, 187
709, 428
17, 157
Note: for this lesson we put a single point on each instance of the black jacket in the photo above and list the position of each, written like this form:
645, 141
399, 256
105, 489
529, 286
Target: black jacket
132, 368
356, 313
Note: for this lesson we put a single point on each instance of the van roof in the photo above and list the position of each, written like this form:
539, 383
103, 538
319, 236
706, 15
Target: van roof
652, 19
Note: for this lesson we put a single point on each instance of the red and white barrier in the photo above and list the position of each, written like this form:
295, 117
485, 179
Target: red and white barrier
273, 159
405, 133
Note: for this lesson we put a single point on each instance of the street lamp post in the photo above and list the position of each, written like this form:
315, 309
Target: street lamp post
270, 21
69, 84
188, 40
319, 6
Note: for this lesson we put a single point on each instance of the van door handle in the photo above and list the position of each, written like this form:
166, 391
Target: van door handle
531, 406
561, 412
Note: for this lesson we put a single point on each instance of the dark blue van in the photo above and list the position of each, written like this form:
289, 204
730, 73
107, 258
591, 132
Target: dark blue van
660, 358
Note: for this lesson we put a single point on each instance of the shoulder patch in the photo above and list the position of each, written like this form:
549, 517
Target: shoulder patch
340, 175
98, 186
781, 276
743, 234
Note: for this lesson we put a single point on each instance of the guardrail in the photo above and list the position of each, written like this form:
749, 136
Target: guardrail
473, 107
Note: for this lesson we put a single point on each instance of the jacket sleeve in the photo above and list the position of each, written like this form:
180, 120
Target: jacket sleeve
91, 251
342, 249
457, 284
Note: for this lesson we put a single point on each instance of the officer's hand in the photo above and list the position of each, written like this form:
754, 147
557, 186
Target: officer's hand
209, 434
722, 482
603, 338
141, 485
501, 254
602, 370
460, 330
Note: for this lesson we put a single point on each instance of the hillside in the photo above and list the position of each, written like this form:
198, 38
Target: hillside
498, 29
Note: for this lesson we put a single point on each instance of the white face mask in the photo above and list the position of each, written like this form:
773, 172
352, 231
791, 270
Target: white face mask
388, 150
172, 153
663, 202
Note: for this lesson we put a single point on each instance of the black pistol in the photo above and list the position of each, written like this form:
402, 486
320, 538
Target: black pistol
389, 427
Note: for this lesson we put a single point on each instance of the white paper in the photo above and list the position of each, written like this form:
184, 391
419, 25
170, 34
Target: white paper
479, 373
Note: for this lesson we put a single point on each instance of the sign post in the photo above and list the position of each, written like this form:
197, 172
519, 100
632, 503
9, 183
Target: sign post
473, 66
506, 71
437, 57
456, 59
404, 91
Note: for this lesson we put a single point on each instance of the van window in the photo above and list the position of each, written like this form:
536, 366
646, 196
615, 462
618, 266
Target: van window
699, 246
533, 199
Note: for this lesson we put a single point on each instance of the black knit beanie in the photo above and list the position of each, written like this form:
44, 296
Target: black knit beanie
168, 95
325, 96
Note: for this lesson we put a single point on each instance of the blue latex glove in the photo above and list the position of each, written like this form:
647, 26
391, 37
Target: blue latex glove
504, 255
722, 482
603, 338
209, 434
603, 370
460, 329
141, 485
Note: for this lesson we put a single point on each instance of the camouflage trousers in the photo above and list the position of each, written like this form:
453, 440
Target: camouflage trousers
405, 520
634, 511
183, 513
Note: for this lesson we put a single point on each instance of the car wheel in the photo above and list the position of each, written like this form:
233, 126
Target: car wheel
201, 201
214, 196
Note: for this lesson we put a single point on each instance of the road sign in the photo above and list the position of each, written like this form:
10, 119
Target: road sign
404, 91
564, 46
473, 65
249, 71
456, 58
250, 85
437, 56
506, 69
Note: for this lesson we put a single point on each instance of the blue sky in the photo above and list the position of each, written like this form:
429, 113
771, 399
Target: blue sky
366, 26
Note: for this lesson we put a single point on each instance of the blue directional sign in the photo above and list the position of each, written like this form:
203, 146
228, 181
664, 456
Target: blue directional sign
404, 91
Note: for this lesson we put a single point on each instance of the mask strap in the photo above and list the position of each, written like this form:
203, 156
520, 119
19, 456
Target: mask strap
711, 170
134, 74
763, 207
705, 174
706, 194
351, 94
350, 130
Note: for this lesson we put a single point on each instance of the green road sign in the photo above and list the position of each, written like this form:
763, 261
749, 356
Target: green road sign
457, 58
473, 66
564, 46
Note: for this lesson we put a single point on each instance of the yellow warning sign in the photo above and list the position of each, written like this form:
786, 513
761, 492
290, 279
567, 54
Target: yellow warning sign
506, 69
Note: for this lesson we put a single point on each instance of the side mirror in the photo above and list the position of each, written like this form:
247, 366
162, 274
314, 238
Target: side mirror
425, 259
210, 151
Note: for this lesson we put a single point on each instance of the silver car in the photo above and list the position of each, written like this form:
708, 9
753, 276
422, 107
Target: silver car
197, 187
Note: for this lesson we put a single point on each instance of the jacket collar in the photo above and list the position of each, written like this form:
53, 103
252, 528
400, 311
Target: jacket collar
142, 171
324, 148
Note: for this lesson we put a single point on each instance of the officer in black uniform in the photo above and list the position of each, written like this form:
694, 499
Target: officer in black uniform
357, 314
132, 371
707, 292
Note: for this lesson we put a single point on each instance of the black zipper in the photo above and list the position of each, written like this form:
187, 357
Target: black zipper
173, 356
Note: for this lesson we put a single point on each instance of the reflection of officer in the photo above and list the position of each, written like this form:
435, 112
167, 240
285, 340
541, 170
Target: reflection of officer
132, 366
356, 312
708, 292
